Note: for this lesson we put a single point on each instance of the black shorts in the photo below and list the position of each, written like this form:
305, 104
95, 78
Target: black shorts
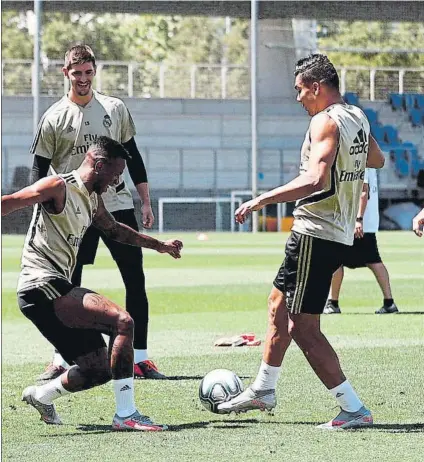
120, 252
37, 305
306, 273
363, 252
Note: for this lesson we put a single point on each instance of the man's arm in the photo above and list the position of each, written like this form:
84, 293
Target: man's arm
324, 142
120, 232
40, 168
375, 157
47, 189
418, 223
363, 201
138, 175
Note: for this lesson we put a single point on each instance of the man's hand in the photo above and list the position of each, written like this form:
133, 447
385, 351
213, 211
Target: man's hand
246, 209
147, 215
173, 247
359, 229
418, 223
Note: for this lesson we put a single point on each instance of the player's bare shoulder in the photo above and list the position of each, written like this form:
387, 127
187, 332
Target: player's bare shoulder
322, 126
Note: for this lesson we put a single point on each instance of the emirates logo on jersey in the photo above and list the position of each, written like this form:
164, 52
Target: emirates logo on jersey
107, 121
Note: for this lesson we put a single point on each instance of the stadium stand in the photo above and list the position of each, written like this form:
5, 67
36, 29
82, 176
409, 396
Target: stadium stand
402, 112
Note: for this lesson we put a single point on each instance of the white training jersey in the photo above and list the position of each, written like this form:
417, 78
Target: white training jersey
52, 242
67, 130
331, 213
372, 215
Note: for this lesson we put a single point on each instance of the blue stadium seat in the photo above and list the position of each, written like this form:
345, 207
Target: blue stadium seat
402, 167
396, 101
391, 134
372, 116
351, 98
408, 101
416, 116
378, 133
419, 100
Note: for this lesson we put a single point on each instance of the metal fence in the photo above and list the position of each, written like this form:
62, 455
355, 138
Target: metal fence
208, 81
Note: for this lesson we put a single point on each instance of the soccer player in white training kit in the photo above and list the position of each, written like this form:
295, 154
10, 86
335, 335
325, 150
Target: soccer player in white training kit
337, 148
73, 318
65, 132
364, 251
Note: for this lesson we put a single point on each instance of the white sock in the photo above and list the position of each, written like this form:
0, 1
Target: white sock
50, 391
267, 377
59, 361
124, 395
140, 355
346, 397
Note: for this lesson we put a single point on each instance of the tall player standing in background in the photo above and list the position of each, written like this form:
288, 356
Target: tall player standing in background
65, 132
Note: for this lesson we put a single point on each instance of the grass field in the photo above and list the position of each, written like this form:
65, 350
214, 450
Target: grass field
220, 287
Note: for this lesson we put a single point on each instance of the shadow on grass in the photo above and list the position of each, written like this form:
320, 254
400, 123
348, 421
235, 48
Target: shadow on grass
360, 313
230, 424
399, 428
95, 429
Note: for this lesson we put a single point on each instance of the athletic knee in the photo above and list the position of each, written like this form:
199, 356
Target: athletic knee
276, 310
125, 324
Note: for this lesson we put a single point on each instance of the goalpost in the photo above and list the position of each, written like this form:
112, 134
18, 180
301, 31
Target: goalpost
195, 200
237, 197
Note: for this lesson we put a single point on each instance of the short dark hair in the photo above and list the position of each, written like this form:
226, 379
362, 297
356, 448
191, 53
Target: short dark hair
79, 54
317, 68
109, 148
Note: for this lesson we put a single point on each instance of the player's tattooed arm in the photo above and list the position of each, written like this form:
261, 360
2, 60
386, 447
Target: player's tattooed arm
120, 232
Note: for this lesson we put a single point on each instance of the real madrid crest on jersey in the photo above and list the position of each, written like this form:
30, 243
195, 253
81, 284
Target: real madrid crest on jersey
107, 121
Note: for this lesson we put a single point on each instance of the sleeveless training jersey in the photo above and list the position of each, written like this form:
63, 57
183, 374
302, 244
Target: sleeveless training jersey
331, 213
52, 241
67, 130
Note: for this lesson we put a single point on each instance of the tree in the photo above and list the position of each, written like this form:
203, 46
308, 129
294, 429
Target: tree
384, 35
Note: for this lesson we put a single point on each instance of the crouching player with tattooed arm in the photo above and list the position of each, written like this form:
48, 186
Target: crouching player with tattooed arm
73, 318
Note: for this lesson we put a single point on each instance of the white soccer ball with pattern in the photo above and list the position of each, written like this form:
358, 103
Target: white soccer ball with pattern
219, 386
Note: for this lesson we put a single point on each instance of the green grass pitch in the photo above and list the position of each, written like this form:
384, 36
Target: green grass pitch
218, 288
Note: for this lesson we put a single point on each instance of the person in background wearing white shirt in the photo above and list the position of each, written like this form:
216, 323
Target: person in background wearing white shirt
364, 251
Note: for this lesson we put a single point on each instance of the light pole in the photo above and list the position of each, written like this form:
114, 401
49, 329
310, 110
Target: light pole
253, 102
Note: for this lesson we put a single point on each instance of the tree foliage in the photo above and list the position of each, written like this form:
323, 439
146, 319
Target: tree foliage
372, 35
175, 42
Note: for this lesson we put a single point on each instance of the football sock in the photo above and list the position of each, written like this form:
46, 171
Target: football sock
140, 355
334, 303
388, 302
124, 395
346, 397
59, 361
267, 377
47, 393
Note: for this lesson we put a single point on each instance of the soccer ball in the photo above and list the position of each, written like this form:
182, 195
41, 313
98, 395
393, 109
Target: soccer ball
219, 386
